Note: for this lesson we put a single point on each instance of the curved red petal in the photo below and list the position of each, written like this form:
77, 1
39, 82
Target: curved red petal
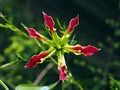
62, 75
86, 50
73, 23
34, 60
49, 22
33, 33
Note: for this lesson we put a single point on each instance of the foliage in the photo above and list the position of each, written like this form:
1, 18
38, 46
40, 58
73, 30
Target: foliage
100, 19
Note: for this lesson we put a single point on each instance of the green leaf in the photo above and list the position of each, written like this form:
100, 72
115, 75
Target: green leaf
115, 82
30, 87
33, 87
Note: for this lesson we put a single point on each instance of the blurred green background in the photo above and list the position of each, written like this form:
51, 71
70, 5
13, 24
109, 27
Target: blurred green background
99, 26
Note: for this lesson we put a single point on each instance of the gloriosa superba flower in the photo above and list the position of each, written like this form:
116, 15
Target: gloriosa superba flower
58, 45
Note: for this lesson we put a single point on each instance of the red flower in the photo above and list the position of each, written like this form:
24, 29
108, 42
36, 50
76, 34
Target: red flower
85, 50
33, 33
72, 24
58, 45
62, 75
36, 59
49, 22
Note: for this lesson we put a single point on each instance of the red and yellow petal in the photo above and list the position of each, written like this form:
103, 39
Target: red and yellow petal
33, 33
62, 66
49, 22
85, 50
36, 59
72, 24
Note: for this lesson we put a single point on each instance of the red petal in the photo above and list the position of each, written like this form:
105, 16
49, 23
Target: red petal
36, 59
73, 23
49, 22
86, 50
62, 75
33, 33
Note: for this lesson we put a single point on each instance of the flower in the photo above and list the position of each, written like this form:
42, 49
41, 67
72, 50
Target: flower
36, 59
72, 24
33, 33
49, 22
85, 50
58, 45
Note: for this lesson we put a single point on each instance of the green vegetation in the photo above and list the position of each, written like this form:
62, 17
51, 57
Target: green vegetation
99, 26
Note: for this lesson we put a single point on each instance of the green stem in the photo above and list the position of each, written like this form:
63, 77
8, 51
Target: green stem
3, 17
59, 24
56, 39
63, 86
11, 26
54, 60
8, 64
77, 84
3, 84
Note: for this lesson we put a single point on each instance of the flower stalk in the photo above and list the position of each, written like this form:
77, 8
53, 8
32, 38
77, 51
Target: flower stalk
3, 84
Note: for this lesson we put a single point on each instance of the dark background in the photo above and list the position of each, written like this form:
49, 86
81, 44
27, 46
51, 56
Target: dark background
99, 26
